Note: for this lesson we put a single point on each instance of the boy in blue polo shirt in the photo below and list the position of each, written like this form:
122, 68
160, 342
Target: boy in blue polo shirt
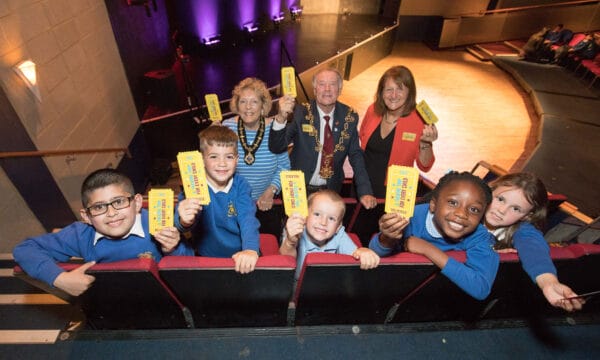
227, 227
114, 228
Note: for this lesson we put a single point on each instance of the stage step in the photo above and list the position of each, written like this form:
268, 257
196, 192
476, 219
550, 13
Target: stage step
485, 52
30, 315
478, 52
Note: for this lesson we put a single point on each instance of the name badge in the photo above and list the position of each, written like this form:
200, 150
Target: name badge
407, 136
307, 128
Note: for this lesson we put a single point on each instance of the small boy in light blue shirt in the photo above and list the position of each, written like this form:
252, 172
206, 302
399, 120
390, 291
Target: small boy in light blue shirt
322, 231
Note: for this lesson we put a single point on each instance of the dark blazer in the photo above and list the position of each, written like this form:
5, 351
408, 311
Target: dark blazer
304, 156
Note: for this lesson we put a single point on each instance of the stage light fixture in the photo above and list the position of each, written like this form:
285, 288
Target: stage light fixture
277, 19
296, 12
211, 39
250, 27
26, 70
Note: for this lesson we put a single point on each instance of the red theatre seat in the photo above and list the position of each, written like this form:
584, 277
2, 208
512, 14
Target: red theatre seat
333, 289
217, 296
128, 295
268, 245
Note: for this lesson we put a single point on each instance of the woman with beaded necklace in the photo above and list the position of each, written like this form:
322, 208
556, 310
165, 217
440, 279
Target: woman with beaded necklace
251, 102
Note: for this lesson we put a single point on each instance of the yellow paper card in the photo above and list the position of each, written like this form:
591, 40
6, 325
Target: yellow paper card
214, 108
193, 176
288, 81
426, 113
401, 192
160, 209
293, 190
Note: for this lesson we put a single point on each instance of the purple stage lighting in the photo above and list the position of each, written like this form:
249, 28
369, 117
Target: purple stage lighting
247, 13
278, 18
211, 39
250, 27
275, 9
296, 12
206, 15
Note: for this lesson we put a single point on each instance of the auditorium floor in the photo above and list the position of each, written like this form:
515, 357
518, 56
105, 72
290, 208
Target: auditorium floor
483, 113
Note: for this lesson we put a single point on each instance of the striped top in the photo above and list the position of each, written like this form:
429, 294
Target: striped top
266, 167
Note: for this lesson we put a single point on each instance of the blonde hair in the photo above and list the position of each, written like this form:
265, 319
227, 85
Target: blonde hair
333, 196
259, 88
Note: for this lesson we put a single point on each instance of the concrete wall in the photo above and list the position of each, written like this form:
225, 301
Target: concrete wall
86, 102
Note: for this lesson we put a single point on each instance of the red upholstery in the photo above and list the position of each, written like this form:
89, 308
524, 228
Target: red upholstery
509, 257
592, 66
355, 239
196, 262
148, 265
125, 265
577, 37
560, 253
268, 245
584, 249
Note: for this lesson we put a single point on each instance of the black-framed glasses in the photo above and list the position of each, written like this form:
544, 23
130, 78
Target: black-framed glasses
119, 203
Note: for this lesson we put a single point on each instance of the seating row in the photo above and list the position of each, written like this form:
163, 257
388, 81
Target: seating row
201, 292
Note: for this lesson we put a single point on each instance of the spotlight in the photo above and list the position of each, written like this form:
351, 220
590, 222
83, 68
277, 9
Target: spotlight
277, 19
250, 27
211, 39
296, 12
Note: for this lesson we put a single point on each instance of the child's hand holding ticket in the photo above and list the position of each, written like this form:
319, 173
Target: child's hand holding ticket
193, 176
294, 192
160, 209
401, 192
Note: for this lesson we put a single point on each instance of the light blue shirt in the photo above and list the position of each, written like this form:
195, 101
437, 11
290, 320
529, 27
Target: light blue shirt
340, 243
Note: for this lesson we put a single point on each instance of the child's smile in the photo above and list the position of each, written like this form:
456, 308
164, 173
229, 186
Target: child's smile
458, 209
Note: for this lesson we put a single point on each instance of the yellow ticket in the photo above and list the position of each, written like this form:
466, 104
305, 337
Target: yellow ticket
160, 209
293, 190
214, 108
401, 192
193, 176
288, 81
426, 113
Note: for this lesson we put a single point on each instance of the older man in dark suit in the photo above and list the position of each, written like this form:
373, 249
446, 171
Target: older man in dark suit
323, 132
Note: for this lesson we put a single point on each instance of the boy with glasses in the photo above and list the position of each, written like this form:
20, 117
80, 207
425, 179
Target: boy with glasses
114, 228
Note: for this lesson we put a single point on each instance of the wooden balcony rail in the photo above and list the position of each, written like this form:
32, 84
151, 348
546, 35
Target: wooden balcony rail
17, 154
531, 7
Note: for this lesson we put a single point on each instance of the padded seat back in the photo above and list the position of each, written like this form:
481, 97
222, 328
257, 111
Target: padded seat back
332, 289
577, 37
268, 245
217, 296
129, 295
514, 293
441, 300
